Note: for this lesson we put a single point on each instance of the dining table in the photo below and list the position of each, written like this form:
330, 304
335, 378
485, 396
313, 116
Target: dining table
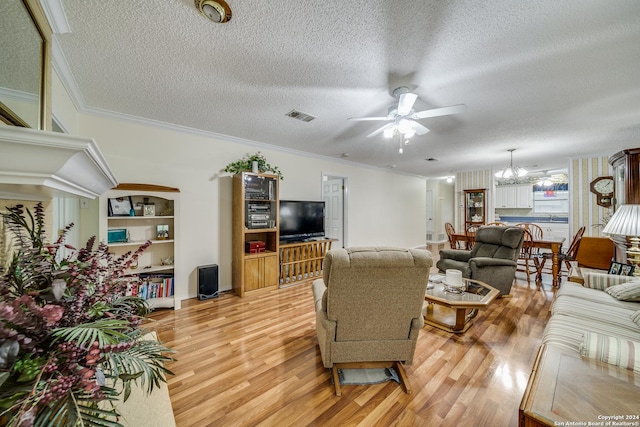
554, 244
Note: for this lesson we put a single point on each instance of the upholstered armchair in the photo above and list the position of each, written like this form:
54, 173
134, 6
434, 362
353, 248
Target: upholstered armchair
492, 260
369, 308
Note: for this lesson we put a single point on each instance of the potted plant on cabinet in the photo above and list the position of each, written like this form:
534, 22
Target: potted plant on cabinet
256, 163
71, 339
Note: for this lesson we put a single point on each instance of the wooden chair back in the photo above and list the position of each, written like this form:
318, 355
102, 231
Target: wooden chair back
575, 244
536, 233
448, 228
471, 235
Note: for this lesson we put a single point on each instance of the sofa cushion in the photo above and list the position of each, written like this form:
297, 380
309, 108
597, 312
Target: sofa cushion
604, 314
575, 290
612, 350
636, 317
567, 331
629, 291
602, 280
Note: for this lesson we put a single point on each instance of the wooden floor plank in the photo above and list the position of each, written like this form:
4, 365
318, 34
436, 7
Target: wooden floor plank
255, 361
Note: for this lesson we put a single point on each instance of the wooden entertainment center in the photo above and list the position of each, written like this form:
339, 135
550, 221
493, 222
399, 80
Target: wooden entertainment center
259, 261
255, 222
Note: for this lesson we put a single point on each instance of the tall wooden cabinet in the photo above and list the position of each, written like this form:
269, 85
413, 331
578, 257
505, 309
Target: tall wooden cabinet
626, 175
255, 246
626, 191
133, 214
475, 207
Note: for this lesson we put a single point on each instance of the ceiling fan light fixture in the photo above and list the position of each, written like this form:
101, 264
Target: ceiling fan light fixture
216, 10
545, 182
405, 128
409, 133
389, 132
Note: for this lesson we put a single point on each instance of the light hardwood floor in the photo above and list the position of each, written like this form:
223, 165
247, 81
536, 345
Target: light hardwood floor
255, 361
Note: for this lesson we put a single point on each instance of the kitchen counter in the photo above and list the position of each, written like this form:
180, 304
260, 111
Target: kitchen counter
535, 219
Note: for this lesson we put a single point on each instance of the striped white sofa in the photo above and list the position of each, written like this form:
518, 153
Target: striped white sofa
599, 319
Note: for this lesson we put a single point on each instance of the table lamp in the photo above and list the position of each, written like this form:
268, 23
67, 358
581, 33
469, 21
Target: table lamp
626, 222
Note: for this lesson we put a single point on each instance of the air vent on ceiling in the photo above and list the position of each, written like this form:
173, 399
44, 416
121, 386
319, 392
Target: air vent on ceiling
299, 115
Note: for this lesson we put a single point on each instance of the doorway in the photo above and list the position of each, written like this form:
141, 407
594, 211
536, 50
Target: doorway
335, 196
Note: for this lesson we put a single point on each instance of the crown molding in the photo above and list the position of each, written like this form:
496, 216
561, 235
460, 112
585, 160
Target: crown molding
54, 12
41, 164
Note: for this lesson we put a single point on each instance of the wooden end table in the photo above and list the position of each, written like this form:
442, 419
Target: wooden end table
567, 389
454, 312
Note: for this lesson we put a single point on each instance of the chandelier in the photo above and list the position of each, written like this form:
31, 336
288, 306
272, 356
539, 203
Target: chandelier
511, 171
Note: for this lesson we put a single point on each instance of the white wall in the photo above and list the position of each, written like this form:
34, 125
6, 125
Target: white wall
385, 207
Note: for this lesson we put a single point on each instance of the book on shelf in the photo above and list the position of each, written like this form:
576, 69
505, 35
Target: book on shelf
155, 285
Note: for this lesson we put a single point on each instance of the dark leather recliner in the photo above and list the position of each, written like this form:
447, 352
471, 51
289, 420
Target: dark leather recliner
492, 260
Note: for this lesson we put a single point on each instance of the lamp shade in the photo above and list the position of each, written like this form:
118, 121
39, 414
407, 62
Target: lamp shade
624, 222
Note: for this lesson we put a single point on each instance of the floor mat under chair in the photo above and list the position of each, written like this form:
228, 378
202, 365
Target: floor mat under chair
367, 376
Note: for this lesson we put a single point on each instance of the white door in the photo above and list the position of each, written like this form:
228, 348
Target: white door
430, 216
333, 194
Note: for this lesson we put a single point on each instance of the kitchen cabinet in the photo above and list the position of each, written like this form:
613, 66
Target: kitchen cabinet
514, 196
555, 230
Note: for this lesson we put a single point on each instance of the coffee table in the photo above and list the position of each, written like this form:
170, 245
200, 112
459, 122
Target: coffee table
454, 312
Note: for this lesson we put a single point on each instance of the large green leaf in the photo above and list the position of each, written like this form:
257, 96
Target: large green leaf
104, 331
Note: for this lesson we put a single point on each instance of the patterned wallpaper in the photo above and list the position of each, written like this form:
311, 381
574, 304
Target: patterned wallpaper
583, 207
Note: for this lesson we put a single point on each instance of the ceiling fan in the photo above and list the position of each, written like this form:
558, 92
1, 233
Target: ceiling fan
403, 117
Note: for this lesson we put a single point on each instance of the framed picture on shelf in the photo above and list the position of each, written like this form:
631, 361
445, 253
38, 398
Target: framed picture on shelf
621, 269
162, 232
614, 268
149, 210
120, 206
626, 270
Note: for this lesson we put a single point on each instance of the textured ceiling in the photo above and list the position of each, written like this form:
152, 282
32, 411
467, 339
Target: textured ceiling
552, 79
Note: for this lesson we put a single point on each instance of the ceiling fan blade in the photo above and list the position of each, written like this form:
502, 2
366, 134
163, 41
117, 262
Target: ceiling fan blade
363, 119
405, 103
436, 112
380, 129
420, 130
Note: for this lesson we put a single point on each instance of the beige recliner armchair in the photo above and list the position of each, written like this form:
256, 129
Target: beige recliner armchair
369, 308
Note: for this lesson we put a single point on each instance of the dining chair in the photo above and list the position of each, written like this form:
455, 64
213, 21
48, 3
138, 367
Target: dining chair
529, 254
565, 257
499, 224
471, 235
453, 242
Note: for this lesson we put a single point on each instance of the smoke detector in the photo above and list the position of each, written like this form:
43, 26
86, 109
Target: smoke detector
216, 10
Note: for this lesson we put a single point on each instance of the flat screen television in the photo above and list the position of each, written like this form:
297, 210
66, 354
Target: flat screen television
301, 220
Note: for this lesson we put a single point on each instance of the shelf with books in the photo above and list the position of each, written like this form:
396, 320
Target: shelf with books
130, 220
